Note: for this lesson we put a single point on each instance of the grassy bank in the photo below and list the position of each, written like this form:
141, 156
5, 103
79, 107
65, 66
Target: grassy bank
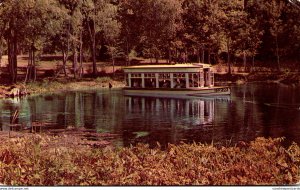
63, 84
290, 78
47, 86
33, 161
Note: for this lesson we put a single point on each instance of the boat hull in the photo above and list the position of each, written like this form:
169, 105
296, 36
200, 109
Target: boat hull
178, 93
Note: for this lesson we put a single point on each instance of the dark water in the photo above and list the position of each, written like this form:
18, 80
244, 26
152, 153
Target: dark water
253, 110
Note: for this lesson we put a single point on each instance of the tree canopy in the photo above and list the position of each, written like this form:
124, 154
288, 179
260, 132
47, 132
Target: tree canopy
175, 30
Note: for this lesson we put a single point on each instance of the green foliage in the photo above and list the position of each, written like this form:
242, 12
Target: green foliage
150, 25
31, 161
168, 29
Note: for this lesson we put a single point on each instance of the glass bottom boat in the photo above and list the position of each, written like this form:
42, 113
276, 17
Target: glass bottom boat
176, 81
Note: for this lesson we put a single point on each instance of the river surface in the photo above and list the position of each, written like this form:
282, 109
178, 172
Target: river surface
253, 110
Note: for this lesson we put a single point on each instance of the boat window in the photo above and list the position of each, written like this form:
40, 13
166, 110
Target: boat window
136, 75
164, 80
136, 83
194, 80
179, 83
164, 76
150, 80
165, 83
149, 75
179, 75
179, 80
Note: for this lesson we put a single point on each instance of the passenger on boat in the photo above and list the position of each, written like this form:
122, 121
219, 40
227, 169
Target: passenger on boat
177, 84
166, 84
152, 83
136, 84
182, 84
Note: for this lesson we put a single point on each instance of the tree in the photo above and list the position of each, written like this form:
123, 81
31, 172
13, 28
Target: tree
233, 21
252, 32
151, 25
44, 18
202, 24
74, 30
30, 23
100, 19
12, 14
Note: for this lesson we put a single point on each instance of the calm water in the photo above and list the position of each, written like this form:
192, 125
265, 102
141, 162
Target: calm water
269, 110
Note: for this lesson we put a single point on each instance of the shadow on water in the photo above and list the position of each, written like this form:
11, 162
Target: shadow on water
253, 110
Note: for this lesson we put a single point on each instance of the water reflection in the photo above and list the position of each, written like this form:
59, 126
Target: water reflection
253, 110
196, 112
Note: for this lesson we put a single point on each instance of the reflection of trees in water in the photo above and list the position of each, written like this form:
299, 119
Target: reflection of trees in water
165, 120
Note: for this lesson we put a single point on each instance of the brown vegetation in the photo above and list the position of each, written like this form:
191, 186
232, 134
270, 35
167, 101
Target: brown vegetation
31, 161
58, 85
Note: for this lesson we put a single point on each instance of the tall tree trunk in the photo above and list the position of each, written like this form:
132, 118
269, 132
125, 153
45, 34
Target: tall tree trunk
176, 56
127, 52
244, 60
203, 54
253, 63
94, 54
66, 52
185, 55
75, 60
33, 63
65, 59
156, 59
28, 70
170, 53
277, 53
208, 56
12, 56
198, 55
93, 46
228, 57
113, 62
80, 57
1, 53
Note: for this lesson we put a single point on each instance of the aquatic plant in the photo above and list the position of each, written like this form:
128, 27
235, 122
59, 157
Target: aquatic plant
38, 160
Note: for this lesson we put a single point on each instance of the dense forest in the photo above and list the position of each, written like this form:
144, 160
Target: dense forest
210, 31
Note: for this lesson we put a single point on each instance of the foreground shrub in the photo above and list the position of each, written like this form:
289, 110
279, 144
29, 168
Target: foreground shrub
31, 161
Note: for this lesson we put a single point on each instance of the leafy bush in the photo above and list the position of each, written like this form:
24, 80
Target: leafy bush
31, 161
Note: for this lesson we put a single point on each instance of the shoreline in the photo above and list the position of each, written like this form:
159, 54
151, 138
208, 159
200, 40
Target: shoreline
48, 85
289, 78
62, 85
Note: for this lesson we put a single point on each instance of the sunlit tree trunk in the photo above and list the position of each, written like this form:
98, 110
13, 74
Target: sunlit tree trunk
228, 57
80, 57
92, 33
75, 60
65, 59
12, 55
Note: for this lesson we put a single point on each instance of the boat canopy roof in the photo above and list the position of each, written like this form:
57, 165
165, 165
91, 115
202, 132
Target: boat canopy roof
167, 68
